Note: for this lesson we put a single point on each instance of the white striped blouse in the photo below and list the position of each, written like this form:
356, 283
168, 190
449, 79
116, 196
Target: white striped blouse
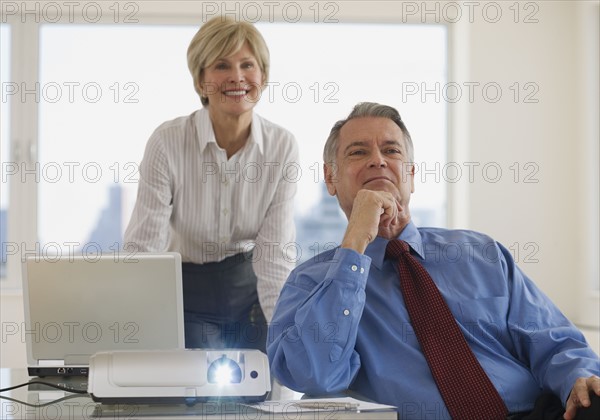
193, 200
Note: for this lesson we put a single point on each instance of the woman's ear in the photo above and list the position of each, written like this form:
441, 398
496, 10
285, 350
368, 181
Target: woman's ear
200, 84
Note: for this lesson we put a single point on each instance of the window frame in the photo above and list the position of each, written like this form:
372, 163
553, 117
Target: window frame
24, 137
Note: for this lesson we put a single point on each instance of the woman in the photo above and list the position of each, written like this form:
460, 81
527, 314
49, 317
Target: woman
213, 187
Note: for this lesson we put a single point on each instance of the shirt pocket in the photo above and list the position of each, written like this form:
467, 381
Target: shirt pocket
484, 317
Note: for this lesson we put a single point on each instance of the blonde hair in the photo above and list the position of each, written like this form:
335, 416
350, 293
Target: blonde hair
221, 37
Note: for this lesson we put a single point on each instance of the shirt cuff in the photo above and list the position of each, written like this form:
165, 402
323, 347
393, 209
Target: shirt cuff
349, 266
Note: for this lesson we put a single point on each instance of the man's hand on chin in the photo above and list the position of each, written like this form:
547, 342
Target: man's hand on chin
372, 211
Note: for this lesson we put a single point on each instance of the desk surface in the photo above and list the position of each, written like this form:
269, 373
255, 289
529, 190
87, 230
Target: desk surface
40, 402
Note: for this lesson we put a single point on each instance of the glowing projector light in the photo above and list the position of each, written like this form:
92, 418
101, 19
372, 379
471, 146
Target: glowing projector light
224, 371
179, 376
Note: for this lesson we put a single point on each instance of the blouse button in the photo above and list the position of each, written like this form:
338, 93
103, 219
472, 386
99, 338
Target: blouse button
354, 268
346, 312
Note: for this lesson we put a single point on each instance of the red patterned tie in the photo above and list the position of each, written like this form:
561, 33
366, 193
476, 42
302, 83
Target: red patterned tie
464, 385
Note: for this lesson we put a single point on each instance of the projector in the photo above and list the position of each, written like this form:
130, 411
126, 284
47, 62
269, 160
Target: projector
178, 376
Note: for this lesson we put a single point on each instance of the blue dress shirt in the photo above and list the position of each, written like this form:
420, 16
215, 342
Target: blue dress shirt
340, 323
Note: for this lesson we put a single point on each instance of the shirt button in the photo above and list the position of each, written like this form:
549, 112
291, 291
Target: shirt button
354, 268
225, 212
362, 270
346, 312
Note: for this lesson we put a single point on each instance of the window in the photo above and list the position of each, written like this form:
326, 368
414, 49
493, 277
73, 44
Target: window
103, 89
5, 60
317, 76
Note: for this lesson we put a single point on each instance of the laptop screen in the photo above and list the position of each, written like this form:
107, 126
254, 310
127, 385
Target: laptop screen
77, 306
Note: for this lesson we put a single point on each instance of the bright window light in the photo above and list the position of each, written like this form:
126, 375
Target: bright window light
105, 88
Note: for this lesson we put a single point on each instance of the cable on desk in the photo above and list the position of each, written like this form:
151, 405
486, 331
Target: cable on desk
67, 397
51, 385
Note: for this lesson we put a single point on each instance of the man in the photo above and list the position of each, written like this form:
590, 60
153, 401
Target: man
341, 321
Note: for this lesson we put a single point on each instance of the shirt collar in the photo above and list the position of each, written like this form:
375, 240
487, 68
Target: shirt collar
256, 132
206, 133
204, 129
410, 234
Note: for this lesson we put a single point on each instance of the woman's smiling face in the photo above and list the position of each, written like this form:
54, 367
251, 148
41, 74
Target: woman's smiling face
233, 84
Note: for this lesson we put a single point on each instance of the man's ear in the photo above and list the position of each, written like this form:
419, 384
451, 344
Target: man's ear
330, 171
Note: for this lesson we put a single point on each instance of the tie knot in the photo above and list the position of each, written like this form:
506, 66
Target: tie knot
395, 248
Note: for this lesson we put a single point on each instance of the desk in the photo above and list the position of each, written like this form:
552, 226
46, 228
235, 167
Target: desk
17, 404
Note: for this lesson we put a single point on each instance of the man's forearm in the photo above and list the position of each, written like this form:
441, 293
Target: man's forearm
313, 333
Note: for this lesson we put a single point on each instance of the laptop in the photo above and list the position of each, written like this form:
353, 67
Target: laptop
76, 306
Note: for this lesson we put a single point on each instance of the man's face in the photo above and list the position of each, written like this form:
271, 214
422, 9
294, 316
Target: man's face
371, 155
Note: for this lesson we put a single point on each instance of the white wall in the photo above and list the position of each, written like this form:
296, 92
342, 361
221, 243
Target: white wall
554, 217
12, 346
554, 220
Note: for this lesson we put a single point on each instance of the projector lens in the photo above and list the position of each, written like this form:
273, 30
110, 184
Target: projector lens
224, 371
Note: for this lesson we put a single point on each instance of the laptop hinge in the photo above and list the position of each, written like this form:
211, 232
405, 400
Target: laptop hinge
51, 362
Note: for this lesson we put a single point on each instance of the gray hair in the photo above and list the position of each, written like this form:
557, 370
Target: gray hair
366, 109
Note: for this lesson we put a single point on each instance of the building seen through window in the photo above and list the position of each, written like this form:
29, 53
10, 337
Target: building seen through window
88, 178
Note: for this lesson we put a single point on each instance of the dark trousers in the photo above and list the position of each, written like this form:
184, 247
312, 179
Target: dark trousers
549, 407
221, 308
